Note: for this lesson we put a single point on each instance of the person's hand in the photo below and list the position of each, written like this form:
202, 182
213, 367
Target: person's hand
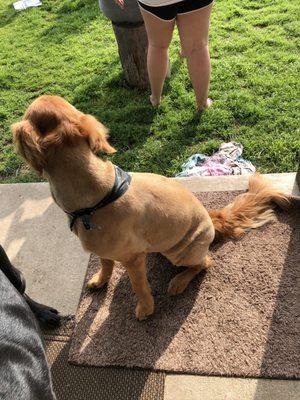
120, 3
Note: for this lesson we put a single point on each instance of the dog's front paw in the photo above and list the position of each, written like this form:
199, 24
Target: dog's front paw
144, 309
97, 281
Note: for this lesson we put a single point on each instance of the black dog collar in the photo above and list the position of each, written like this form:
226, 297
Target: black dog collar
121, 185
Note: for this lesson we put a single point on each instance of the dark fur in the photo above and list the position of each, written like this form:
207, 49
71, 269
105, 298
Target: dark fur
24, 373
46, 315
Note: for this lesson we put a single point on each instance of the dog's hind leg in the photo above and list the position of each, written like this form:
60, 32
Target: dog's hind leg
194, 256
101, 277
179, 283
136, 268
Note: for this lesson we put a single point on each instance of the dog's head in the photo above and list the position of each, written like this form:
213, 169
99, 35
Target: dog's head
49, 122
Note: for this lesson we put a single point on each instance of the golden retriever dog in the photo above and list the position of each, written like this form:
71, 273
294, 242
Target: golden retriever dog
155, 214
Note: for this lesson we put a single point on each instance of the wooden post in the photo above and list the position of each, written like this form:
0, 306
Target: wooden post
132, 45
298, 173
130, 33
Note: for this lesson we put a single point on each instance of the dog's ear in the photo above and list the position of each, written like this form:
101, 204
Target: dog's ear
96, 134
27, 144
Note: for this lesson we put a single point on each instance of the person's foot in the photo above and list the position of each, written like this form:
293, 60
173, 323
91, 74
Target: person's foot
208, 104
154, 101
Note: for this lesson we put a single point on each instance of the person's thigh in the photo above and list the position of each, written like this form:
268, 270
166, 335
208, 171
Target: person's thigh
193, 29
159, 32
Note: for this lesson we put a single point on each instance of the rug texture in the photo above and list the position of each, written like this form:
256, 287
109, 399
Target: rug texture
72, 382
240, 318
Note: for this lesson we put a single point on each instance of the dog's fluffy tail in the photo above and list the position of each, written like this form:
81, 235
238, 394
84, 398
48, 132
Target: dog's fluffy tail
249, 210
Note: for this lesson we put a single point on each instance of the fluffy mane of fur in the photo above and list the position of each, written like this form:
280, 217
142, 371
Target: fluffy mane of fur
51, 121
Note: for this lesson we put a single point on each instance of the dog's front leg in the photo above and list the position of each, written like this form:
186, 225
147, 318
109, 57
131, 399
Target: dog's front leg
101, 277
136, 268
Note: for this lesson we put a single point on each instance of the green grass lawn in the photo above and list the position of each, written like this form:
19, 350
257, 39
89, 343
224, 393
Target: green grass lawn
67, 48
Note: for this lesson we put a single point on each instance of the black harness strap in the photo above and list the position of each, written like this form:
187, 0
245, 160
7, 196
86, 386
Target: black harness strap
121, 185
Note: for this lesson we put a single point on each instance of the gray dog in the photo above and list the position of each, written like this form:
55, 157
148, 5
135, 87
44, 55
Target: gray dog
24, 373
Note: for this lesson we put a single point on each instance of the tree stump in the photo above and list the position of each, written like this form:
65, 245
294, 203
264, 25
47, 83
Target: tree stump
132, 45
130, 33
298, 173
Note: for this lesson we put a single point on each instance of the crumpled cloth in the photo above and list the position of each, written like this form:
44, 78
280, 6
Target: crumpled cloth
23, 4
226, 161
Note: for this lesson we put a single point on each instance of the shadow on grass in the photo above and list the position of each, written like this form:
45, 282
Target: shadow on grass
7, 16
140, 141
183, 128
121, 109
169, 149
71, 19
125, 111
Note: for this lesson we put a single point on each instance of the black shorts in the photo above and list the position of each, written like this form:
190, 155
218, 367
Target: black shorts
169, 12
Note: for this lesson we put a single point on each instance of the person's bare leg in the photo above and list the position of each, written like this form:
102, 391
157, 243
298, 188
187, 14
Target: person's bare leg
159, 34
101, 277
193, 31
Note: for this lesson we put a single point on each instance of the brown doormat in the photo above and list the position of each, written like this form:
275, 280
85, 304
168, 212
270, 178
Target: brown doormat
238, 319
72, 382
